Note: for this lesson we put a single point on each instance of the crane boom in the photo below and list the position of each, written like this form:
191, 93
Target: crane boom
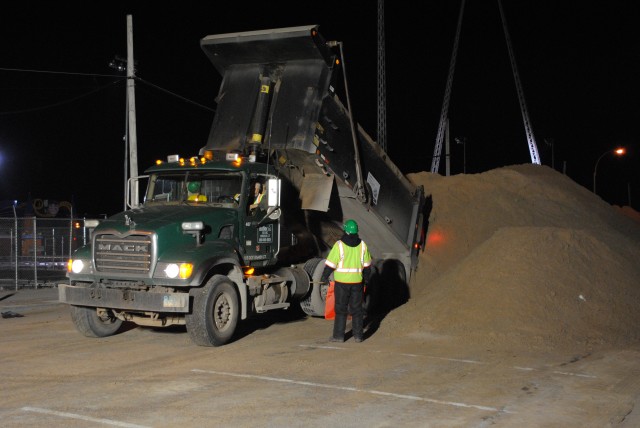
437, 150
531, 141
533, 148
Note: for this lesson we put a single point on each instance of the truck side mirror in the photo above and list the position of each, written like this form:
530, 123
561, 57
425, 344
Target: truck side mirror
273, 201
273, 213
132, 191
273, 192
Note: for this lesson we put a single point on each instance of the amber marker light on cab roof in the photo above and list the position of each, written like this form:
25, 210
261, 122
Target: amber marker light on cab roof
208, 154
235, 158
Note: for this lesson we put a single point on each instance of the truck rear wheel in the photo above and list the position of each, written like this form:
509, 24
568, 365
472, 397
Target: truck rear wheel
388, 288
372, 299
215, 313
91, 324
313, 304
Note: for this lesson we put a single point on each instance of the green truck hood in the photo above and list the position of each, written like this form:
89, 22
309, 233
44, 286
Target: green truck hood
166, 223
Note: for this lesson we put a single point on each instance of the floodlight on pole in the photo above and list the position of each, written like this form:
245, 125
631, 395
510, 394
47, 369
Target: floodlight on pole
618, 151
119, 64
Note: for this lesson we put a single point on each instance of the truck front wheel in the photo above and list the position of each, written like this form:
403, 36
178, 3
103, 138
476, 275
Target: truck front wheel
94, 322
215, 313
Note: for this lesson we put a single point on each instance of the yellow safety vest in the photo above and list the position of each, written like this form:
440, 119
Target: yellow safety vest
197, 197
258, 198
348, 262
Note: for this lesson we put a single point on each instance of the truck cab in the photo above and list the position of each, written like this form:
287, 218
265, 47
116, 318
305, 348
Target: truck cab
222, 196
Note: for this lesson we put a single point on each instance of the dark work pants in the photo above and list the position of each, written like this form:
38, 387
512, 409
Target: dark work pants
348, 297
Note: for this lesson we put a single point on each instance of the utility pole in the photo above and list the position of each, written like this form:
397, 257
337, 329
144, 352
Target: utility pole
551, 143
131, 114
617, 151
126, 161
463, 141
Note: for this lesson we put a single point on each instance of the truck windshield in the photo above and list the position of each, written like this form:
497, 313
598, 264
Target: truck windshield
194, 188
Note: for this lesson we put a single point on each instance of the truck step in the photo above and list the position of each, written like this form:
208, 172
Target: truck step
265, 308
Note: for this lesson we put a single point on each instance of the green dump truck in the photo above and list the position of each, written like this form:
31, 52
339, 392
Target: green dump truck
204, 250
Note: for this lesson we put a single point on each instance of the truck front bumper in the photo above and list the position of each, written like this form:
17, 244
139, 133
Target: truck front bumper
128, 300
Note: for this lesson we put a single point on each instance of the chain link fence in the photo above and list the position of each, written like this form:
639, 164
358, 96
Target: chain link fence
34, 251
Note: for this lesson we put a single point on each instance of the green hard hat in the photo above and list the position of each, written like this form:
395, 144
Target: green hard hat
351, 227
193, 186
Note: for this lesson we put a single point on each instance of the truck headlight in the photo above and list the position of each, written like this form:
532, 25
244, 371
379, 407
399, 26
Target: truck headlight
78, 266
174, 270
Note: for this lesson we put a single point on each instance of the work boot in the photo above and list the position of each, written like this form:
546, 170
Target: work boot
339, 326
357, 326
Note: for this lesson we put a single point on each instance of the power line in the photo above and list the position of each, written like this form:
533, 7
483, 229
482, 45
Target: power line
59, 72
57, 104
174, 94
120, 78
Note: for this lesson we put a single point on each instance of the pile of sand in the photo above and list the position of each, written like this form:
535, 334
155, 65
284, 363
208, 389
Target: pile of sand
523, 255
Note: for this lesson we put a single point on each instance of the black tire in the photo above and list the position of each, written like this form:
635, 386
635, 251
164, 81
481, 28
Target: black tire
215, 312
90, 324
371, 301
313, 304
388, 286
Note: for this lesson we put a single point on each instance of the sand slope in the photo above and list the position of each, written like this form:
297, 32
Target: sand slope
522, 255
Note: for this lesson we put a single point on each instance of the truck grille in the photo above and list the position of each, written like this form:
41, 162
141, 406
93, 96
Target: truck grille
129, 254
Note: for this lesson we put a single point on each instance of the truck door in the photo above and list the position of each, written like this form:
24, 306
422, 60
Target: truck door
262, 224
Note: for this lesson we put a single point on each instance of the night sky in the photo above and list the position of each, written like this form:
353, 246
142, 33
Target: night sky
63, 117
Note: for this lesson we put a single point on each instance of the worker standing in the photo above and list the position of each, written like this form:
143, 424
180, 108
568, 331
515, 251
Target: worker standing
350, 261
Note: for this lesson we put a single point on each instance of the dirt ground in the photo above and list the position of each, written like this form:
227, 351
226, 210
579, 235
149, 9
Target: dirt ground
281, 371
523, 313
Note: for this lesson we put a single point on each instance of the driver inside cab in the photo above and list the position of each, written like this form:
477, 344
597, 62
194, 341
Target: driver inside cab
193, 187
258, 194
